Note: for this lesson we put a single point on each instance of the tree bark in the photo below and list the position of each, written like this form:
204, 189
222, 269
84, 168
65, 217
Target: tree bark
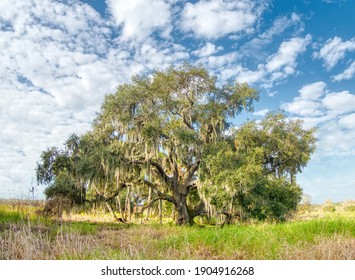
128, 204
183, 217
160, 211
149, 199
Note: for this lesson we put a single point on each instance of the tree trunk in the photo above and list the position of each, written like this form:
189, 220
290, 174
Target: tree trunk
160, 211
128, 204
149, 199
183, 217
119, 206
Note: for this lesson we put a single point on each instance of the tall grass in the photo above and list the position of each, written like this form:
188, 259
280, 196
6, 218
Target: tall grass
322, 239
25, 235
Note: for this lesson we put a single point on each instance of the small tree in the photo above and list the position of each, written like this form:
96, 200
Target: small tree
58, 169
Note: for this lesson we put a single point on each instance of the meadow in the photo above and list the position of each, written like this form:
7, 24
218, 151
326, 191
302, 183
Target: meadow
315, 232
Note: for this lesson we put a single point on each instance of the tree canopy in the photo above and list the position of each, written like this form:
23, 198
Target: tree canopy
169, 136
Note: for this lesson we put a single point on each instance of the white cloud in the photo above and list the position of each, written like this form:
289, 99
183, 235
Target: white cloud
340, 102
314, 121
328, 178
261, 113
254, 47
213, 19
278, 66
347, 74
348, 122
280, 25
249, 76
140, 18
302, 107
336, 141
315, 100
207, 50
287, 54
334, 1
57, 62
307, 104
334, 50
312, 91
48, 46
30, 121
332, 112
220, 63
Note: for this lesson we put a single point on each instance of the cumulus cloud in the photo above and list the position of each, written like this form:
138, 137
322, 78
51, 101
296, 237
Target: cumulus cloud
332, 112
278, 27
287, 54
207, 50
48, 47
348, 121
347, 74
315, 100
278, 66
261, 113
340, 102
249, 76
213, 19
58, 60
30, 122
334, 50
307, 108
307, 104
313, 91
140, 18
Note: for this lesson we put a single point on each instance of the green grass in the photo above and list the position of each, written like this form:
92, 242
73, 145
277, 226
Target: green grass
26, 235
264, 241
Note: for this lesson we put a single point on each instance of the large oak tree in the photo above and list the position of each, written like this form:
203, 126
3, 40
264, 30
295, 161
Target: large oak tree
162, 123
170, 132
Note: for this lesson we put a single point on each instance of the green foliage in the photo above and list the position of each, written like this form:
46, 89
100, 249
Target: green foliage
58, 169
169, 134
65, 187
254, 169
273, 199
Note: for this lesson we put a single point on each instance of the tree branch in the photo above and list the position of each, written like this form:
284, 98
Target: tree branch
154, 187
199, 210
162, 173
190, 173
153, 201
187, 123
104, 198
159, 168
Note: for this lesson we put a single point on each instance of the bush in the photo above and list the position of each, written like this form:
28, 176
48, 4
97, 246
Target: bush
274, 199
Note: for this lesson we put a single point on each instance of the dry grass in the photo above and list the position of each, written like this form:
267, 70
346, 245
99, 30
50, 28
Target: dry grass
334, 248
154, 242
25, 235
25, 243
326, 210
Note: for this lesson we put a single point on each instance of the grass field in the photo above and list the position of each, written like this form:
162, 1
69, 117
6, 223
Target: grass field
316, 232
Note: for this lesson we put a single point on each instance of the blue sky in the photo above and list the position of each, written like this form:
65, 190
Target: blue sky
59, 59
